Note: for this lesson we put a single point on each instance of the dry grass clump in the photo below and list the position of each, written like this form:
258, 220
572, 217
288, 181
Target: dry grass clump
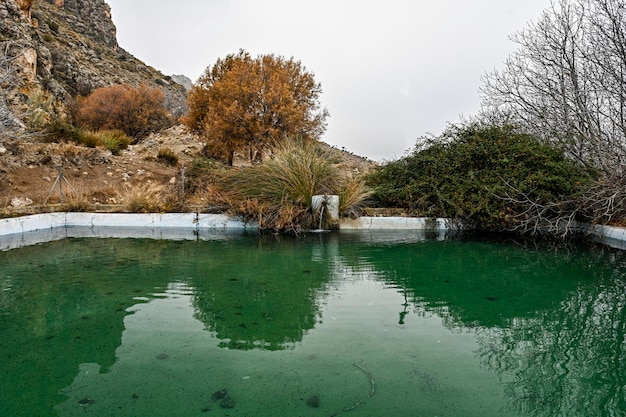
168, 156
146, 198
278, 192
113, 140
297, 171
214, 198
77, 203
102, 195
353, 196
205, 185
287, 218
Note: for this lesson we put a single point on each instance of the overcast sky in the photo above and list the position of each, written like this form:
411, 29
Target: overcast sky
391, 71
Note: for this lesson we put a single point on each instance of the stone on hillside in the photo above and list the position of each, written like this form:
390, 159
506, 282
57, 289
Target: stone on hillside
17, 202
183, 80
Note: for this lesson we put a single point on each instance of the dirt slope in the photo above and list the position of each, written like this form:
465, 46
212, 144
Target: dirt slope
29, 170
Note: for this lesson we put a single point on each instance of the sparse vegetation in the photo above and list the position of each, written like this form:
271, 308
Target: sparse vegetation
168, 156
77, 203
113, 140
54, 26
145, 198
39, 109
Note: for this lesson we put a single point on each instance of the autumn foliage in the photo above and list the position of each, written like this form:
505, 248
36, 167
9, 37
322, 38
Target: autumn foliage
135, 111
246, 104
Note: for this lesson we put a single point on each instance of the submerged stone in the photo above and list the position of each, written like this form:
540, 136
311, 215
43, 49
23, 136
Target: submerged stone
313, 402
227, 402
218, 395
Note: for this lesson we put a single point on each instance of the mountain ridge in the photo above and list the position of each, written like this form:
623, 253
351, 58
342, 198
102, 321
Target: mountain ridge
64, 49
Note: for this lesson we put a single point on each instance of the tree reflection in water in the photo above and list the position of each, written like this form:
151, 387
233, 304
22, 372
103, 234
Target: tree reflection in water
567, 361
550, 322
269, 307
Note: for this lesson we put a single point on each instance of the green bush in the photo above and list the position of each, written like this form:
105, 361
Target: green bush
480, 175
61, 131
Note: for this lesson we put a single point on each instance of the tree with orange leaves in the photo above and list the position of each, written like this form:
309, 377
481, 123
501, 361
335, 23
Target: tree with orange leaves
245, 104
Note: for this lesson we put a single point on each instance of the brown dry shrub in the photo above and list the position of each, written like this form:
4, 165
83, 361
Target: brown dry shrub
135, 111
286, 218
214, 199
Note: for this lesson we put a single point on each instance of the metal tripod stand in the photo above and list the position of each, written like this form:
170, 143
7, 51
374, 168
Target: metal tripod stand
59, 180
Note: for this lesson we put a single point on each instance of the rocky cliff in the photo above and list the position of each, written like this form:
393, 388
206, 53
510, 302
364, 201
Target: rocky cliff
61, 49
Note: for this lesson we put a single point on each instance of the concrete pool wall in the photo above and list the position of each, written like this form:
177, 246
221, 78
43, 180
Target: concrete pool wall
38, 222
44, 221
36, 228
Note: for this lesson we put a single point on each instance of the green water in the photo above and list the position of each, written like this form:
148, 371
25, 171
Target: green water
354, 324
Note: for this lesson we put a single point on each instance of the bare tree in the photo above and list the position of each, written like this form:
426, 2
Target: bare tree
566, 84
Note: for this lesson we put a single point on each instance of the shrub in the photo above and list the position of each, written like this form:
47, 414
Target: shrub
282, 187
483, 176
54, 26
40, 110
61, 131
135, 111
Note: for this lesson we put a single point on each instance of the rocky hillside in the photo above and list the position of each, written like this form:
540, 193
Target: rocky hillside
53, 51
60, 49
